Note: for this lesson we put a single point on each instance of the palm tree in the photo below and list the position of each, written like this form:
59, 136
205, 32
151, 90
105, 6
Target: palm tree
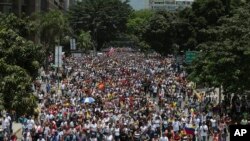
52, 27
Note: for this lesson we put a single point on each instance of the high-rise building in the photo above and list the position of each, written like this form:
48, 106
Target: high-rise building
170, 5
30, 6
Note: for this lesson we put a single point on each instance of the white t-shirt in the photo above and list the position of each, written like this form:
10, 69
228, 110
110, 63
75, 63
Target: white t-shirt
117, 131
40, 96
93, 127
176, 126
213, 122
203, 130
41, 139
87, 126
109, 138
197, 121
5, 123
155, 89
157, 123
163, 139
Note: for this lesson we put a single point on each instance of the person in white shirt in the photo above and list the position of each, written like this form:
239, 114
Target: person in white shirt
163, 138
213, 123
176, 126
109, 137
155, 90
6, 125
40, 138
203, 132
117, 133
26, 137
40, 97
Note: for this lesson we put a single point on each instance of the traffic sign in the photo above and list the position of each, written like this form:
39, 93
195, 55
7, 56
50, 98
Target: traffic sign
190, 56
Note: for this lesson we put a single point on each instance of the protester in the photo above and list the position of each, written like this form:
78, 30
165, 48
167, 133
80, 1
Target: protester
120, 96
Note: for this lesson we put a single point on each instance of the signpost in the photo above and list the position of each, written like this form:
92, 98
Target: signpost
190, 56
58, 61
72, 44
58, 56
179, 59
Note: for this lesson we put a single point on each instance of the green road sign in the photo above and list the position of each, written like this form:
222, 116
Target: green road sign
190, 56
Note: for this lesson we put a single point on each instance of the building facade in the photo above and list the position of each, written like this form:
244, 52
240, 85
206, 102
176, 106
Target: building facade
139, 4
28, 7
170, 5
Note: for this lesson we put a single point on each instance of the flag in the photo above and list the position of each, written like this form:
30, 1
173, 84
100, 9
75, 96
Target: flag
111, 51
88, 116
190, 130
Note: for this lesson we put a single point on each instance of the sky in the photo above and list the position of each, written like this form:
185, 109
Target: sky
138, 4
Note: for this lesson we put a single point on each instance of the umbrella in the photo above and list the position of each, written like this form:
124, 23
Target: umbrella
88, 100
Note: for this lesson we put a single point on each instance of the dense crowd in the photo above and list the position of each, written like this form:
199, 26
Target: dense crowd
120, 97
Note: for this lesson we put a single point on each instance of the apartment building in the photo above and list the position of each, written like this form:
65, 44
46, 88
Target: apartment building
170, 5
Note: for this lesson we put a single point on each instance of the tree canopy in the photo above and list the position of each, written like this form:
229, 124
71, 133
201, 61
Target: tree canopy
52, 27
102, 18
20, 60
85, 41
225, 55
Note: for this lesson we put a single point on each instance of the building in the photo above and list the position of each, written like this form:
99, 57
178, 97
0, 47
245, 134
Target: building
139, 4
30, 6
69, 3
170, 5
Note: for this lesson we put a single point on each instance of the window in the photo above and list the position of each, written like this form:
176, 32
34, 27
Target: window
159, 2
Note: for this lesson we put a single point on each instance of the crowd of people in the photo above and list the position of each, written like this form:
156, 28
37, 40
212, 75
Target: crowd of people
123, 96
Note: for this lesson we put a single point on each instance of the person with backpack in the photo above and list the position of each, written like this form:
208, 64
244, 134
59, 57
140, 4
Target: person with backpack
26, 137
40, 138
203, 132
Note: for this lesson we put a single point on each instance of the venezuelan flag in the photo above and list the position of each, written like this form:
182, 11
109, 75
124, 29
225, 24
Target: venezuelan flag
190, 130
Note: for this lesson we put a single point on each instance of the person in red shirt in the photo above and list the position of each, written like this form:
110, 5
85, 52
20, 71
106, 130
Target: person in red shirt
131, 102
215, 136
13, 137
177, 137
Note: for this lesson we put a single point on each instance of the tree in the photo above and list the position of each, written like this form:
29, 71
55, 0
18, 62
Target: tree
225, 58
103, 18
137, 21
22, 26
20, 60
157, 33
136, 28
85, 41
184, 34
15, 89
211, 10
15, 49
52, 27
